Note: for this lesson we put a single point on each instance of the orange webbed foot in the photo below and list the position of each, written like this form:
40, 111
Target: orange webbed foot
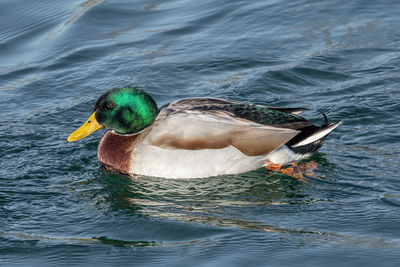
272, 166
295, 170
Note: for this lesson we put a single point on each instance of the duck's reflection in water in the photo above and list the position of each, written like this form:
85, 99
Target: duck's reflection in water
221, 201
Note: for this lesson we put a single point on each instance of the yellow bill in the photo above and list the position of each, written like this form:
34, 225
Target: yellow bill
90, 126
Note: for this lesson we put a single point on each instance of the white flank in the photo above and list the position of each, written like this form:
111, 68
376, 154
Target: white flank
179, 163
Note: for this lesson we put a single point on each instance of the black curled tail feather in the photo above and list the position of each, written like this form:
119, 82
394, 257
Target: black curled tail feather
325, 120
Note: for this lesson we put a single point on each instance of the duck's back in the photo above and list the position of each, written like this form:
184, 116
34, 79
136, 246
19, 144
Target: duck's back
238, 110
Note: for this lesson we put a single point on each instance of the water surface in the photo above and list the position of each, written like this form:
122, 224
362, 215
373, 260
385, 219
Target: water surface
58, 207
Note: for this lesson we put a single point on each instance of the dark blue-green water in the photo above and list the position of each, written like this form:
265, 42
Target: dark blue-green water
58, 207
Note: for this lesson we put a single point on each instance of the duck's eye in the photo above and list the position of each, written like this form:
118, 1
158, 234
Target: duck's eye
109, 105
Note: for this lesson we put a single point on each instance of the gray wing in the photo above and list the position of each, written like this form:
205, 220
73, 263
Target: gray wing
194, 129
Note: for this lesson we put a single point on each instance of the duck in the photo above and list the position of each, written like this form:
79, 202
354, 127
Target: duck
197, 137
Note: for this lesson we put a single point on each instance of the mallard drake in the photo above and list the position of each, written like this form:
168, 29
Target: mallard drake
196, 137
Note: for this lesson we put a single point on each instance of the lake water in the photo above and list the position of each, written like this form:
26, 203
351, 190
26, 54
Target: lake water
58, 207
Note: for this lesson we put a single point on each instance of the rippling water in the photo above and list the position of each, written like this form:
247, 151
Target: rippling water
59, 207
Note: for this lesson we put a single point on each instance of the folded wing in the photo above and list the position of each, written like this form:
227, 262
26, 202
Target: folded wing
195, 129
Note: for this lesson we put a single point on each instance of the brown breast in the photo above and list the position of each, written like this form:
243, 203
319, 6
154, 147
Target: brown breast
115, 151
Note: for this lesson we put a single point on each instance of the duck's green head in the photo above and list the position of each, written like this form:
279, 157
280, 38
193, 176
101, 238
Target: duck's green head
125, 110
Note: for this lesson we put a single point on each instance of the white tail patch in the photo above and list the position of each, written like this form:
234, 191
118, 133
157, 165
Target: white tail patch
318, 135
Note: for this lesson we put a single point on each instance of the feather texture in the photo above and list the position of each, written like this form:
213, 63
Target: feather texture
200, 137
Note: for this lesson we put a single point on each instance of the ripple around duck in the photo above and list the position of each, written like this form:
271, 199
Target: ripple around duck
59, 207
